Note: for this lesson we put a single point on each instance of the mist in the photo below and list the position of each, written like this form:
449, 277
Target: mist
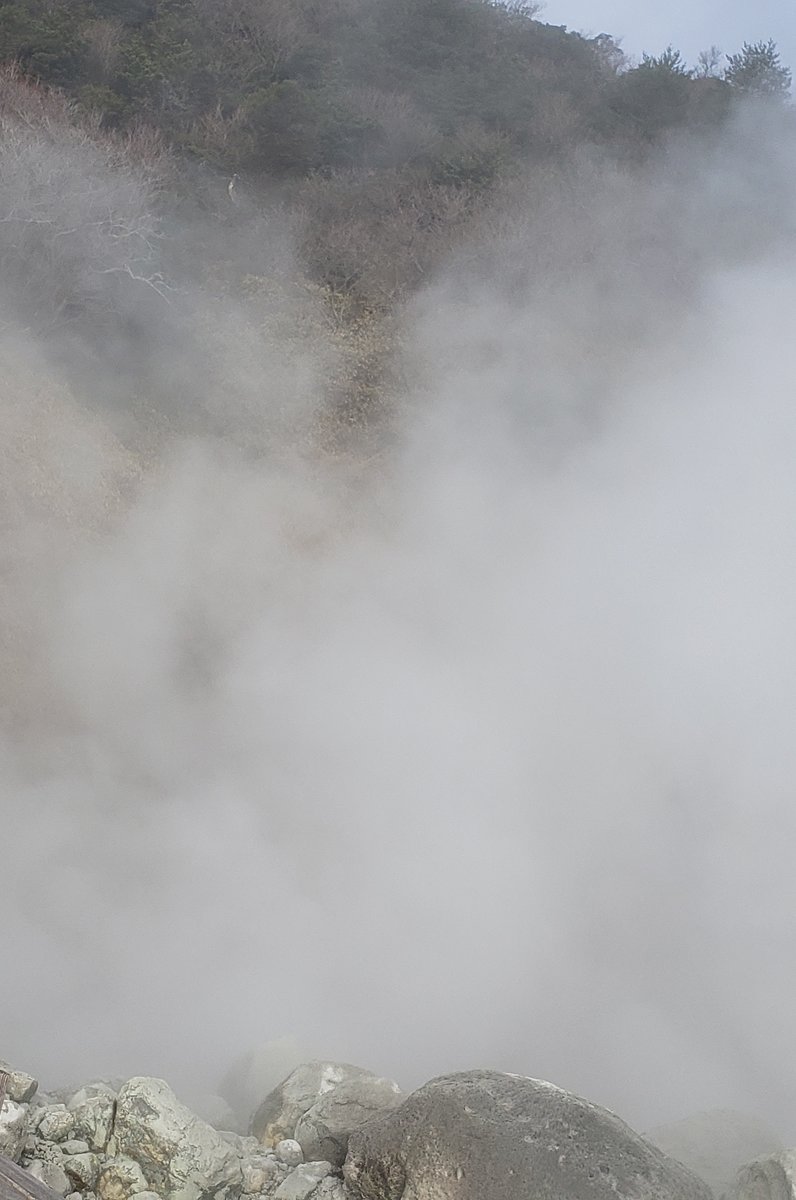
473, 752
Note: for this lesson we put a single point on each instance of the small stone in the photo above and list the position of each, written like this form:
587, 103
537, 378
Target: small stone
75, 1146
52, 1175
302, 1182
289, 1152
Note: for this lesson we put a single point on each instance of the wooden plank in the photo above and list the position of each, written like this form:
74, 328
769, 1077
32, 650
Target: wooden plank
16, 1184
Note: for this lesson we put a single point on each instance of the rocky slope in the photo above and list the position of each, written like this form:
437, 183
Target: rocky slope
332, 1131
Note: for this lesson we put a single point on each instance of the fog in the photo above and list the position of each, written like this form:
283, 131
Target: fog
473, 752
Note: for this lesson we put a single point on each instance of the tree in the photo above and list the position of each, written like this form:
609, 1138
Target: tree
757, 71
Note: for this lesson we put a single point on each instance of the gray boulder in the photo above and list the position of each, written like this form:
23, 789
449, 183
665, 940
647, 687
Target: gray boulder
181, 1156
324, 1130
303, 1182
19, 1086
716, 1144
279, 1114
484, 1134
772, 1177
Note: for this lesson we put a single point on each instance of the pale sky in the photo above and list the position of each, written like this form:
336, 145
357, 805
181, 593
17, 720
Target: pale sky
688, 26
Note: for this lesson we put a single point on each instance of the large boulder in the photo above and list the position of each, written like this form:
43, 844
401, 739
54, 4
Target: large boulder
483, 1134
324, 1130
181, 1156
716, 1144
306, 1099
772, 1177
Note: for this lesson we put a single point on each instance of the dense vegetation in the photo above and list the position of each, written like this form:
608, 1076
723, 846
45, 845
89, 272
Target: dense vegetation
378, 132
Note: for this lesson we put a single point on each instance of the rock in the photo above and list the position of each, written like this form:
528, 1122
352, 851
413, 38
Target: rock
93, 1114
182, 1157
82, 1169
302, 1182
484, 1134
324, 1129
240, 1142
330, 1188
289, 1152
55, 1123
715, 1144
51, 1175
74, 1146
258, 1173
772, 1177
121, 1178
20, 1086
281, 1111
14, 1124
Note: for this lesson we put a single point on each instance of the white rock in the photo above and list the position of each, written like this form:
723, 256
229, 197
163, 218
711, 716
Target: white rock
182, 1157
13, 1128
55, 1123
289, 1152
20, 1086
302, 1182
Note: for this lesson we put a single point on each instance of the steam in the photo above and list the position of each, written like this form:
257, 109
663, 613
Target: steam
479, 756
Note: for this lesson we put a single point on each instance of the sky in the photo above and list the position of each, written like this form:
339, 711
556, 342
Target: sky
690, 27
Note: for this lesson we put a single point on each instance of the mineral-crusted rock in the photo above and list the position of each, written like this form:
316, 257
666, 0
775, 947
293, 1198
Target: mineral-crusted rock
259, 1172
281, 1111
54, 1122
182, 1157
82, 1169
302, 1182
93, 1112
14, 1124
289, 1152
121, 1178
19, 1086
50, 1174
716, 1144
771, 1177
484, 1134
324, 1129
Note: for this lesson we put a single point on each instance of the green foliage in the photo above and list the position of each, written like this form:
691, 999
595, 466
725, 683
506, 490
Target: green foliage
45, 39
652, 99
757, 71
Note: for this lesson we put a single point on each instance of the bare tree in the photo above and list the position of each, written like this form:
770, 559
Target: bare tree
77, 209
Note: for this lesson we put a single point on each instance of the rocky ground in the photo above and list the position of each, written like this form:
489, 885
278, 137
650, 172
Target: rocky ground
332, 1131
